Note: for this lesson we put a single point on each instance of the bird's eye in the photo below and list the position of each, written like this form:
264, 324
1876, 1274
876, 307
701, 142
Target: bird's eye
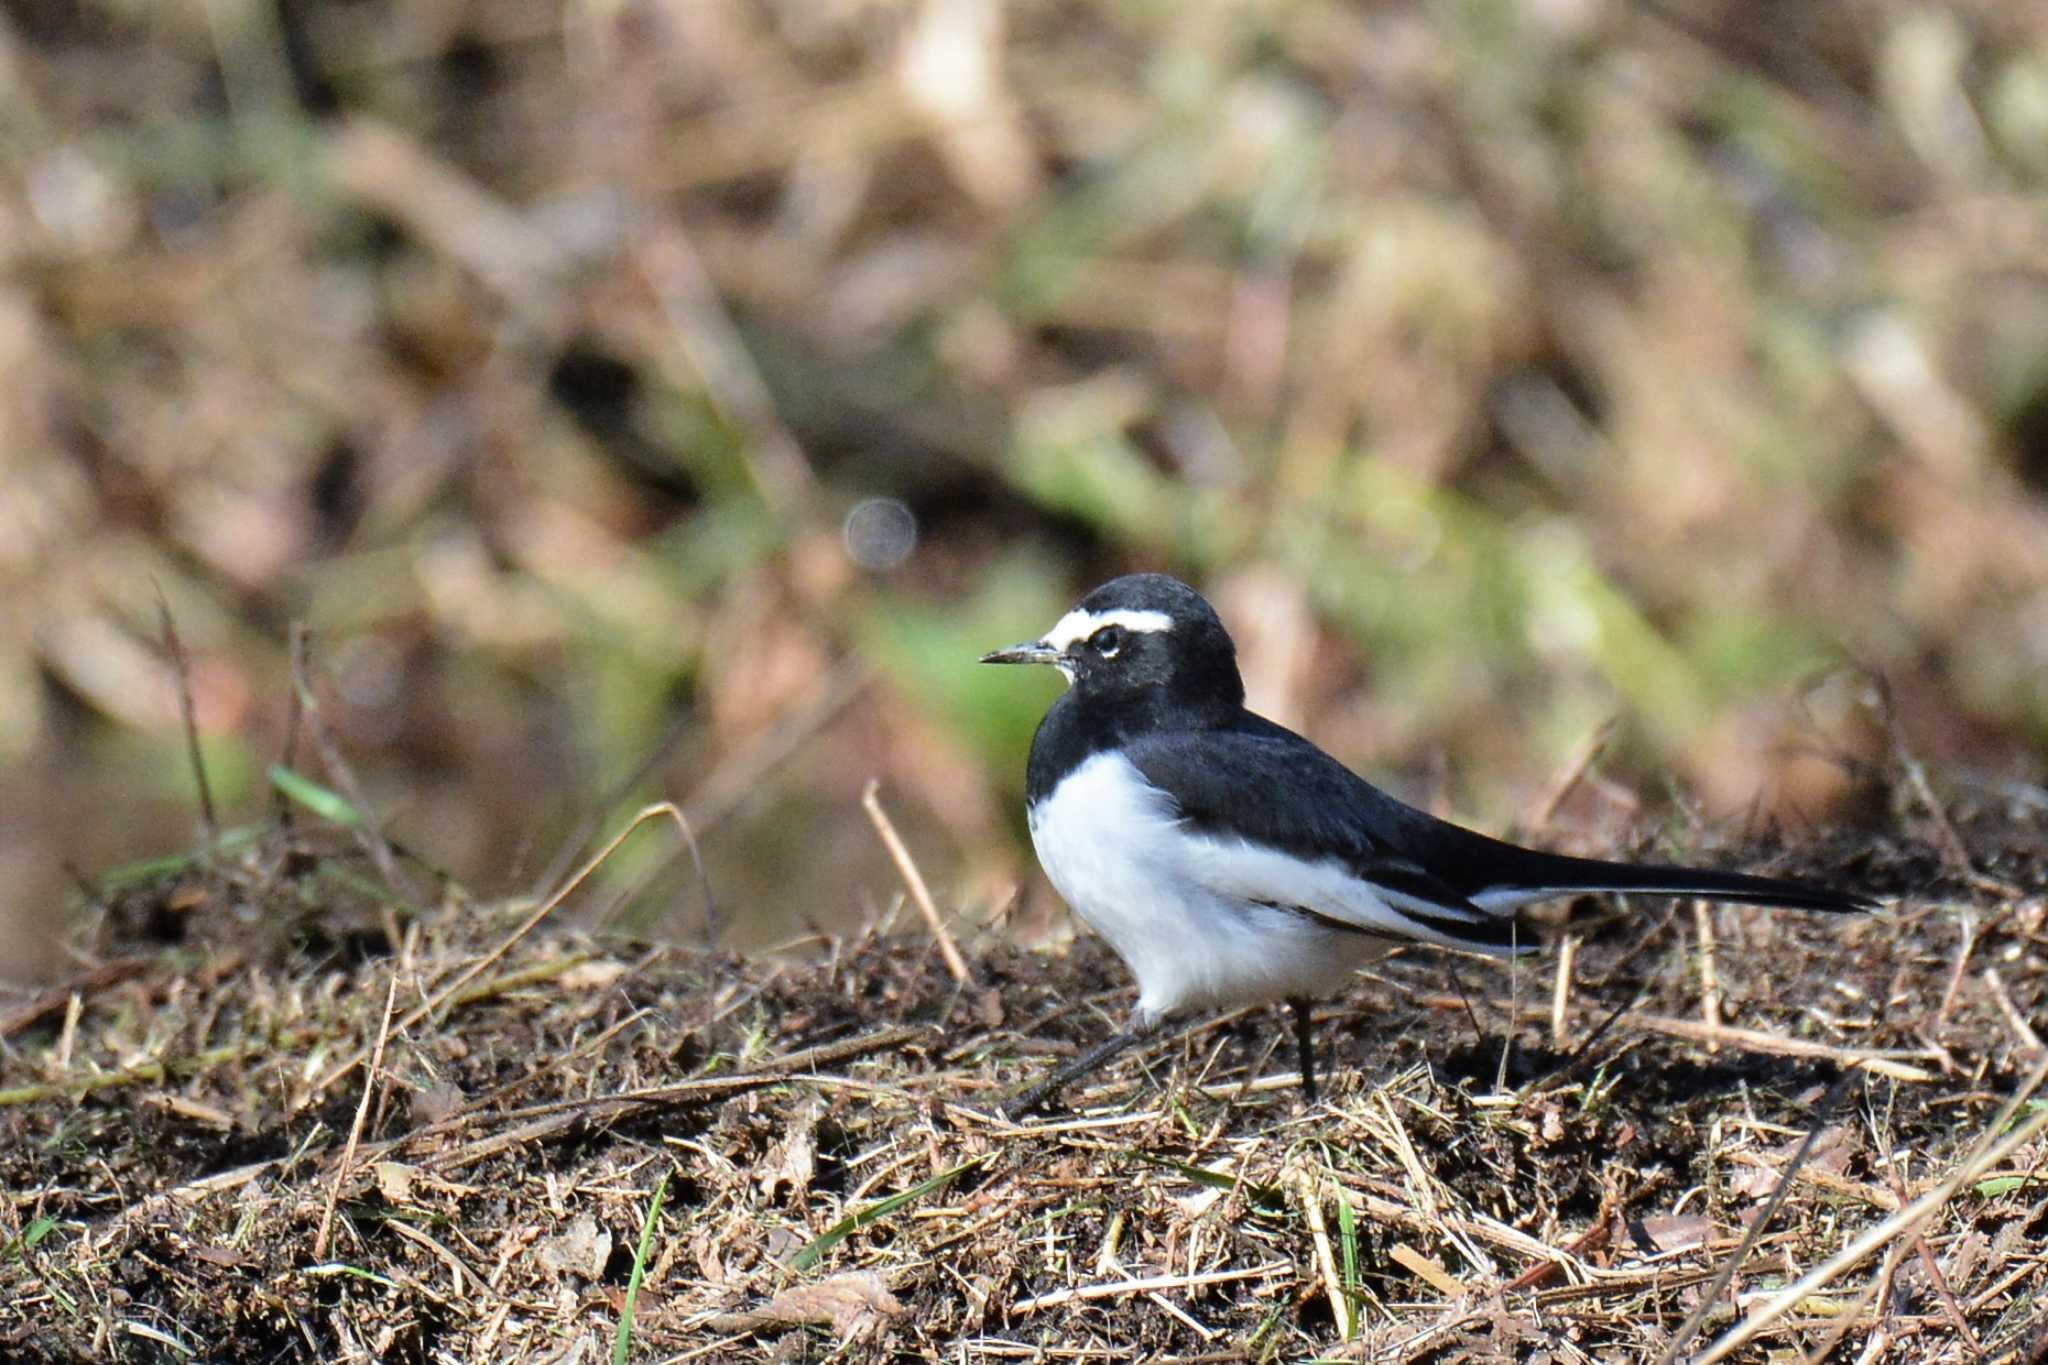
1107, 641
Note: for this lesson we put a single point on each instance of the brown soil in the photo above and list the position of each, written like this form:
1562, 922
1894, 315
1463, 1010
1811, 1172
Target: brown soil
176, 1131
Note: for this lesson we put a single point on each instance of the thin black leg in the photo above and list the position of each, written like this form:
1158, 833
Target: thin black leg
1305, 1045
1039, 1096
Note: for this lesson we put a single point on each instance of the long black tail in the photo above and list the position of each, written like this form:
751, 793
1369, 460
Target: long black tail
1553, 874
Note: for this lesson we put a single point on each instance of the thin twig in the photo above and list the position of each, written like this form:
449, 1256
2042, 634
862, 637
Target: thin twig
732, 781
1875, 1292
1955, 975
790, 1066
871, 801
525, 927
88, 982
1755, 1040
367, 831
536, 1121
1900, 1223
1593, 1238
1561, 990
565, 857
1710, 972
1714, 1290
355, 1132
1584, 1052
67, 1037
630, 892
181, 665
458, 1272
471, 1108
1117, 1289
1933, 1269
1341, 1309
2016, 1021
1758, 1041
1574, 771
288, 756
1944, 828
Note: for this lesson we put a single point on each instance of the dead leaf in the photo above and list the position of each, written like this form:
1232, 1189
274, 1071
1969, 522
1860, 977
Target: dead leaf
791, 1162
988, 1008
710, 1264
580, 1249
1665, 1232
394, 1181
853, 1304
1829, 1157
436, 1102
590, 976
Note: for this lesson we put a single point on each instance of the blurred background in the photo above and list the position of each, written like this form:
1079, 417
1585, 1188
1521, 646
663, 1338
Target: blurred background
645, 398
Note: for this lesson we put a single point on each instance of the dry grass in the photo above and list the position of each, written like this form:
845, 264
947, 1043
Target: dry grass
186, 1123
1497, 368
1518, 366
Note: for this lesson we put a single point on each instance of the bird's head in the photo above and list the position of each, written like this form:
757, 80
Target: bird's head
1144, 638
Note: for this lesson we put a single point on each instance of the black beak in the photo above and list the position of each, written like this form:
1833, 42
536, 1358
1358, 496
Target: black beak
1030, 652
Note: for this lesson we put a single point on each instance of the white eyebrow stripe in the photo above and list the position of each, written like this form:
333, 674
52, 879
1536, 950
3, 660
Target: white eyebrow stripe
1079, 625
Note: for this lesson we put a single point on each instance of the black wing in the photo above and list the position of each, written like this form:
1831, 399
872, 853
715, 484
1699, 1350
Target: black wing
1265, 782
1270, 787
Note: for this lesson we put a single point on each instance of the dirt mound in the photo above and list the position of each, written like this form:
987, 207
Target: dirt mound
1509, 1159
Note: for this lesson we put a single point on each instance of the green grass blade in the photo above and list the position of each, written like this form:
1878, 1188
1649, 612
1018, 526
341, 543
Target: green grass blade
1347, 1242
30, 1235
881, 1208
328, 804
155, 869
1264, 1200
624, 1340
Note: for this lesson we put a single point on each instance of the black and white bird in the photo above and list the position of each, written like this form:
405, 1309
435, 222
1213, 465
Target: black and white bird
1229, 861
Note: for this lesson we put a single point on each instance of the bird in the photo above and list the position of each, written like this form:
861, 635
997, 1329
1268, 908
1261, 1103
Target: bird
1228, 861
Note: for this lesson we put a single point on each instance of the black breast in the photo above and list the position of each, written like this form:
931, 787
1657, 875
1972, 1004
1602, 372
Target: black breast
1069, 736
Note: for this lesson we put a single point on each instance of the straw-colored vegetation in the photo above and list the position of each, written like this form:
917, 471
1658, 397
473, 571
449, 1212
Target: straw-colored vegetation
1712, 1135
1500, 369
1626, 424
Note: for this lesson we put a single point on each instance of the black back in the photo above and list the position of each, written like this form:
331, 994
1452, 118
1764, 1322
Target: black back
1173, 702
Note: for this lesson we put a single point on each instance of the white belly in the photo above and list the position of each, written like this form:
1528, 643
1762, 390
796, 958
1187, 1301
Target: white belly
1181, 908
